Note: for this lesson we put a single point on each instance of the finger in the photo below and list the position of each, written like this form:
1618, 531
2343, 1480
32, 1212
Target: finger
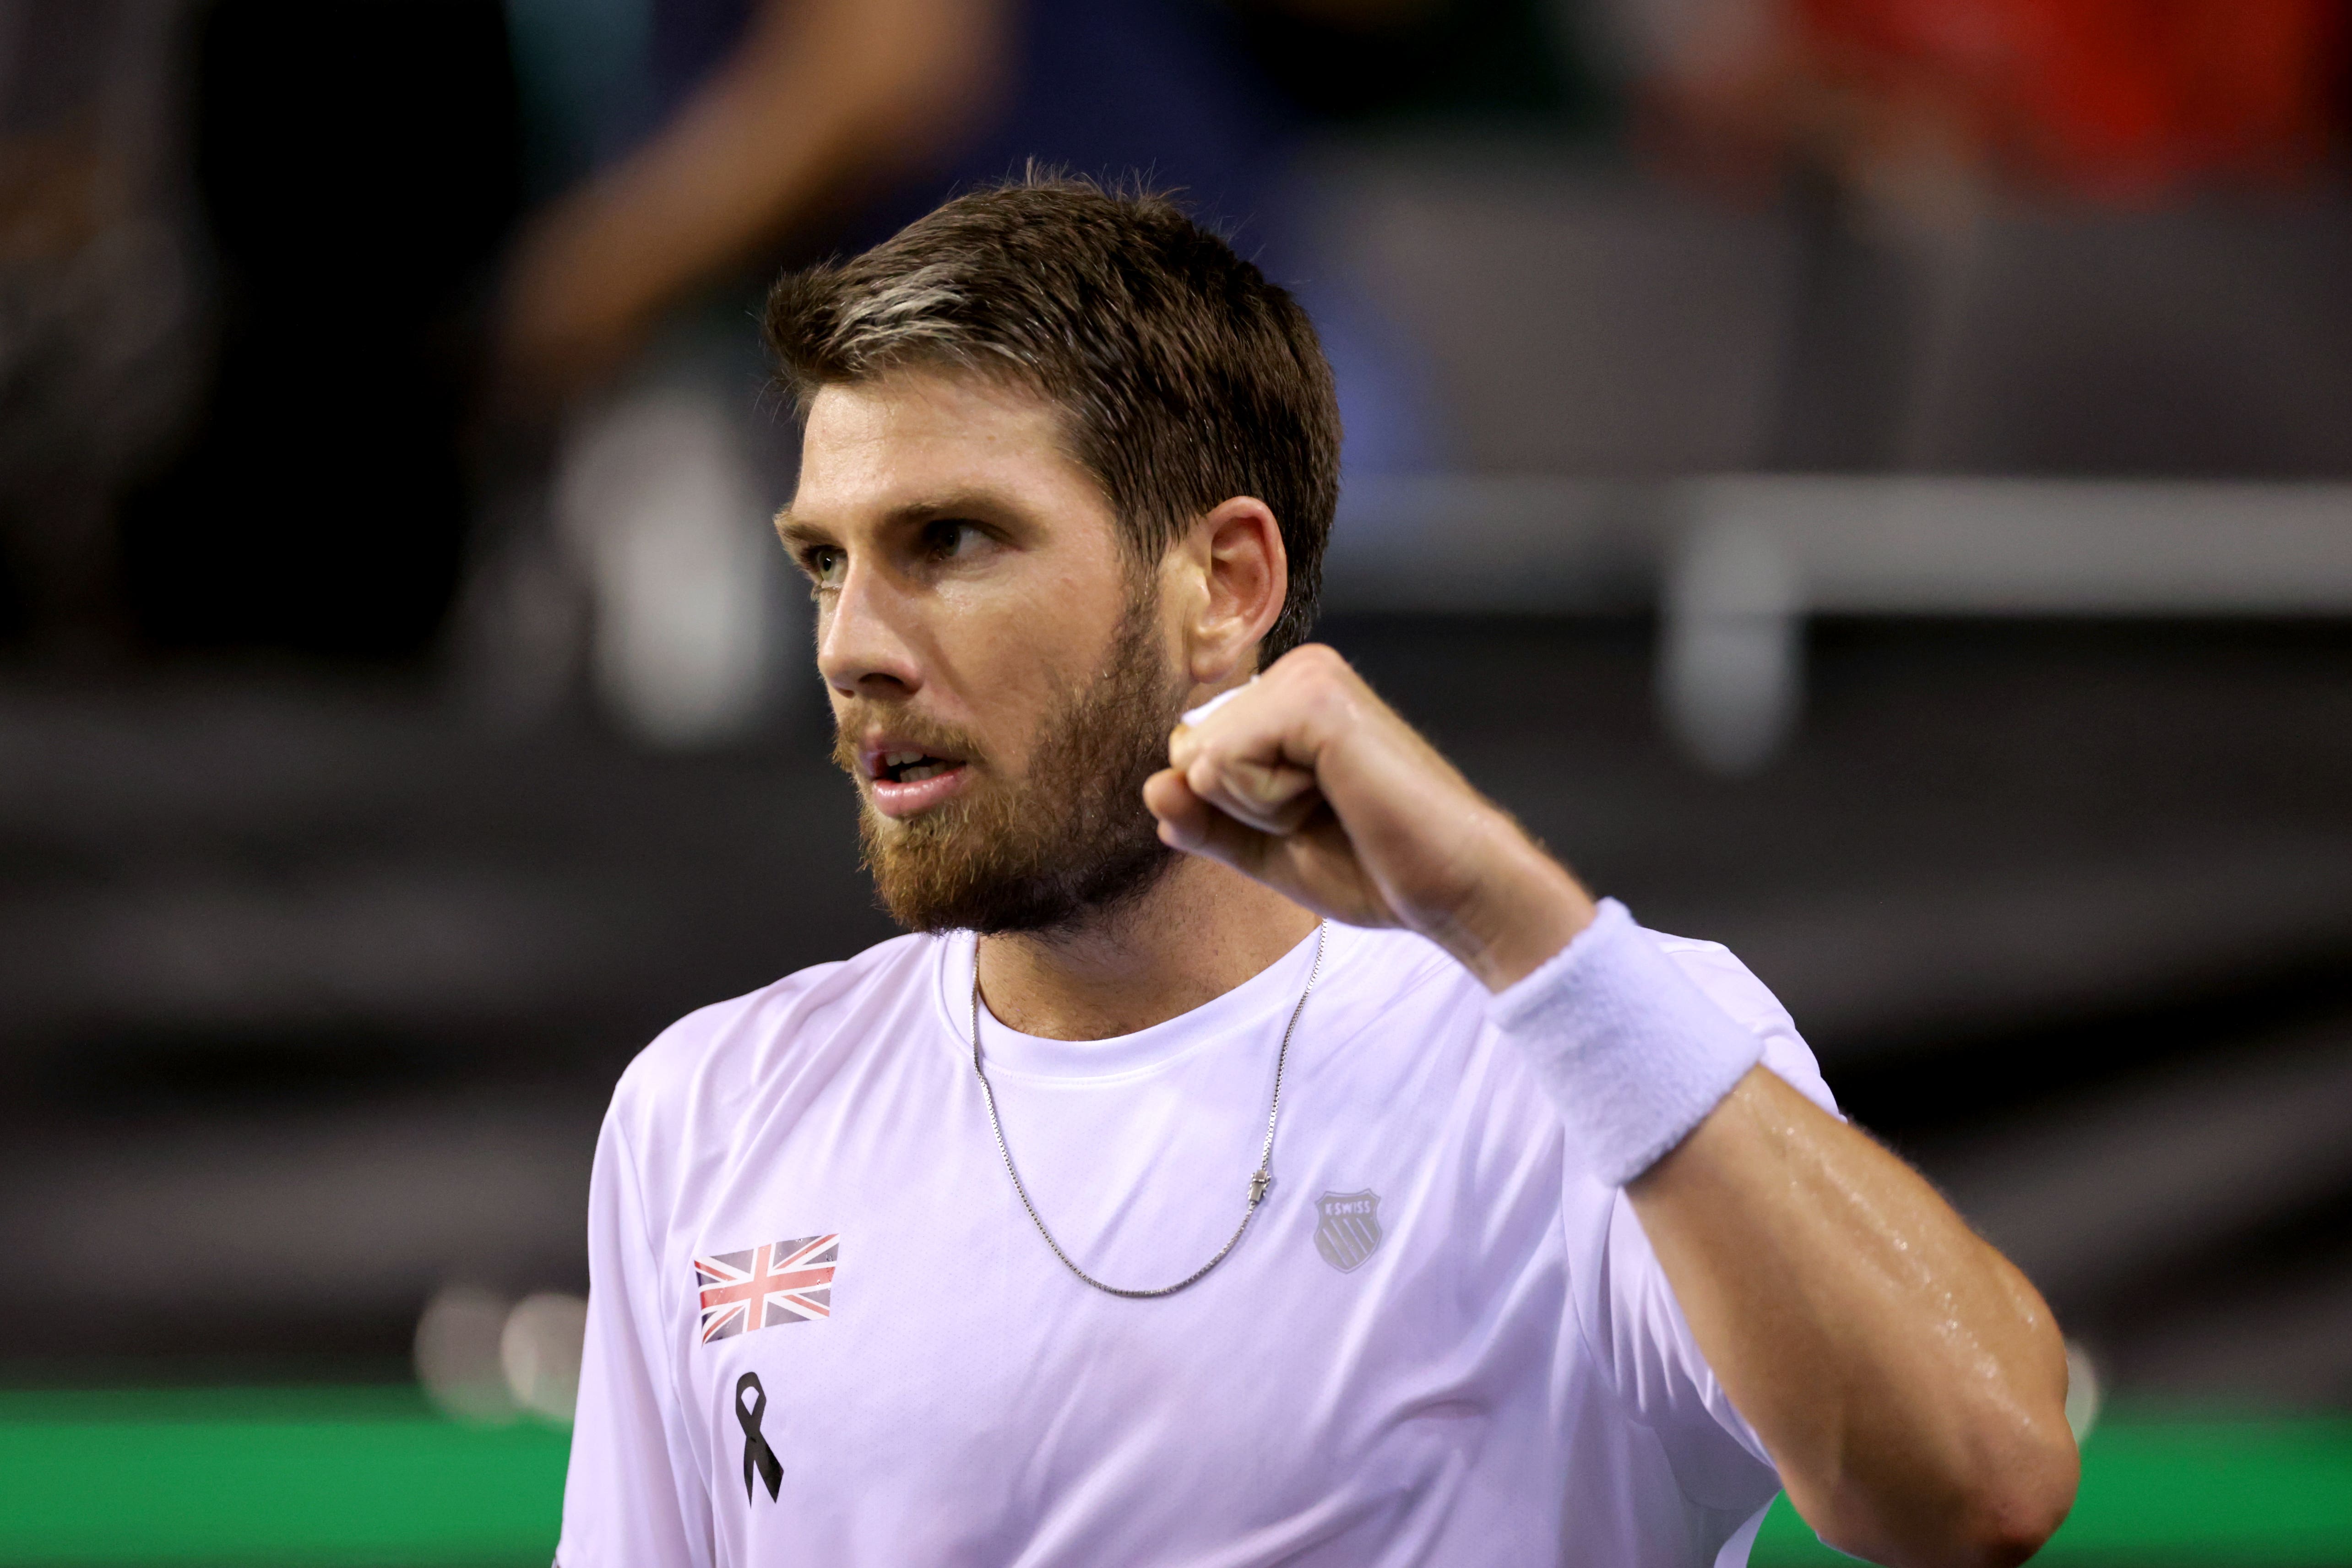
1184, 743
1233, 754
1272, 797
1314, 867
1189, 823
1200, 724
1196, 717
1183, 815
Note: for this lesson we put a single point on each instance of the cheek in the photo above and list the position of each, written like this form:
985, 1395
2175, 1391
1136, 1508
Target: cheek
1014, 695
1017, 664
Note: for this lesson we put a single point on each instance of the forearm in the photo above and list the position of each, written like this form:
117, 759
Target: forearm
1908, 1381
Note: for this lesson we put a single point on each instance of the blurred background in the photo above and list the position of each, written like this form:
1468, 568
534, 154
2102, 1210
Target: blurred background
1869, 481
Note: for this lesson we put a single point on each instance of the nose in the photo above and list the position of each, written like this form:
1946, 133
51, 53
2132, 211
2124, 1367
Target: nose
863, 647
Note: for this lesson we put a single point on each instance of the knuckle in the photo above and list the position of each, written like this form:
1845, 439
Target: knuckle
1316, 660
1330, 697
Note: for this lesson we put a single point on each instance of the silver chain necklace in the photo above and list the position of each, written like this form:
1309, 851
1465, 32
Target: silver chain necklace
1259, 1182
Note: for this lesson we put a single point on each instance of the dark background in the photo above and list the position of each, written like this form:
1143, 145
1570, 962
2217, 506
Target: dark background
313, 981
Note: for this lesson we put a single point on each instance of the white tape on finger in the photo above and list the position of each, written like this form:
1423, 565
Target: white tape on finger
1196, 715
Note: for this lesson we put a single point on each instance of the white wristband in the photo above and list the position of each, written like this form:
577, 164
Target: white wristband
1628, 1047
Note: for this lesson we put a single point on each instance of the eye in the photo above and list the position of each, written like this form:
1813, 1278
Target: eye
948, 538
824, 564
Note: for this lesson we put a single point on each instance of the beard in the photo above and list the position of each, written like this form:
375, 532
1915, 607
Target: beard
1070, 840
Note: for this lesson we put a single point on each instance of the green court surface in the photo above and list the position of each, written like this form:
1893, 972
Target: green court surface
370, 1476
2180, 1494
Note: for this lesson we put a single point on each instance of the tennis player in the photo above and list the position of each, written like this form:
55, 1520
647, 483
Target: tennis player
1260, 1151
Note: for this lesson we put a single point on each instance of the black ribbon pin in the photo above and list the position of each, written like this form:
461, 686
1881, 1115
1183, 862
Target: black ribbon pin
757, 1455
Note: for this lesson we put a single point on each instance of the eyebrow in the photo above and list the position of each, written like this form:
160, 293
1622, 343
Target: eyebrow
794, 532
951, 504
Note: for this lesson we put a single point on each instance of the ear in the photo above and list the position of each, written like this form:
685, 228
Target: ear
1237, 579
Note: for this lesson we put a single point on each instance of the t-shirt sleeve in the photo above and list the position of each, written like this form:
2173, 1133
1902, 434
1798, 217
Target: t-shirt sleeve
633, 1489
1631, 1320
1735, 989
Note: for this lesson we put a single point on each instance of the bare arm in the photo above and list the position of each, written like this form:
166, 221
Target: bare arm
1907, 1380
1908, 1383
820, 97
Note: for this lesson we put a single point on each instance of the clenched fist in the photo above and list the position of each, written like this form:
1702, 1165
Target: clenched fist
1306, 781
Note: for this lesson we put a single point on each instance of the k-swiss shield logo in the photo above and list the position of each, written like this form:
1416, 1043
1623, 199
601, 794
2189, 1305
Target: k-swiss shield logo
1350, 1229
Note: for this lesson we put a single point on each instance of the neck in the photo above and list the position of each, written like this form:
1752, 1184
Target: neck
1203, 929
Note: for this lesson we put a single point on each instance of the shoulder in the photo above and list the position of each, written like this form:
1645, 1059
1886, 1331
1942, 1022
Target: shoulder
1380, 971
718, 1051
1728, 983
1731, 985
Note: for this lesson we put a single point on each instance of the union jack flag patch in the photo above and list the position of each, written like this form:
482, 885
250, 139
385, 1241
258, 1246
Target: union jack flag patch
778, 1282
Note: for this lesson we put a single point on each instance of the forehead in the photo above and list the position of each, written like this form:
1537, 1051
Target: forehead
902, 439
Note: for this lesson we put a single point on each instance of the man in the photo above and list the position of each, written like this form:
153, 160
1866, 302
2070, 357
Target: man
1272, 1156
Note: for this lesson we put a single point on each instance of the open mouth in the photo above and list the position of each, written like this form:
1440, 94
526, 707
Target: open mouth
908, 780
912, 766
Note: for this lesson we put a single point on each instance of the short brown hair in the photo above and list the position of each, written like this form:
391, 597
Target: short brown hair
1184, 376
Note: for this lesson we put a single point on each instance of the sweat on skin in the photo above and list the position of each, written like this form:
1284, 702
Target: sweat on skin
1633, 1274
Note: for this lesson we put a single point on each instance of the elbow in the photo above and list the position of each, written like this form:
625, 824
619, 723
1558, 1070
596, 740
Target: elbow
2023, 1496
2010, 1521
1995, 1514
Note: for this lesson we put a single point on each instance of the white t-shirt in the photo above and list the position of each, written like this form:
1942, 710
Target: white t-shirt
1439, 1343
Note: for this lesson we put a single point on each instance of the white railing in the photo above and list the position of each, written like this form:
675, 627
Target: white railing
1733, 564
